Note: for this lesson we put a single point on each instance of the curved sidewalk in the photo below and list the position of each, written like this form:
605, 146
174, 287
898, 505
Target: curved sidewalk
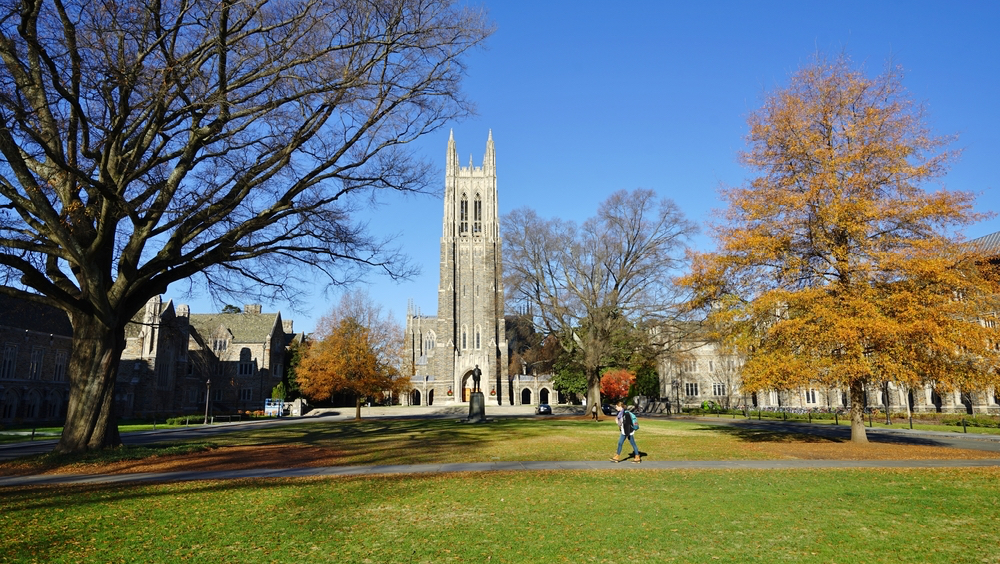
73, 479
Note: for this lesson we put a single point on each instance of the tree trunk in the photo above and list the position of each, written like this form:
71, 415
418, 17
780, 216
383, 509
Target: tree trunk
91, 422
357, 408
594, 388
858, 433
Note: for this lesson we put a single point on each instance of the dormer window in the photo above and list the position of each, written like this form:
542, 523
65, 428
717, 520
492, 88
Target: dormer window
220, 344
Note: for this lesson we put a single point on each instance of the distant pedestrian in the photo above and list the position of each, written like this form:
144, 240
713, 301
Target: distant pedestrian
627, 428
593, 410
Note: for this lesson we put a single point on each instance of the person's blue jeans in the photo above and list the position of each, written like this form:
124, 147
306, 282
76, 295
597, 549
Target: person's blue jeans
631, 439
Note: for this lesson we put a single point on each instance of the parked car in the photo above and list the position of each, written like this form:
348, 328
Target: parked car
543, 409
609, 409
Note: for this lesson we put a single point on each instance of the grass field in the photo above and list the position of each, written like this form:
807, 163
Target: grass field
946, 515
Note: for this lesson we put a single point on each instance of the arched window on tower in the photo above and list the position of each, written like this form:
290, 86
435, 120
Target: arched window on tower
465, 338
478, 340
477, 216
463, 216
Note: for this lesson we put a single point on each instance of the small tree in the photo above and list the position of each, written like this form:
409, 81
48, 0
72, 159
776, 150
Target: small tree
358, 351
616, 383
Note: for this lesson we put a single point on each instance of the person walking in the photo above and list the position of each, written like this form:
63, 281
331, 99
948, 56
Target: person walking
624, 420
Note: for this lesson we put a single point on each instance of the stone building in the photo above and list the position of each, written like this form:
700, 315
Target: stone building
36, 341
468, 330
173, 358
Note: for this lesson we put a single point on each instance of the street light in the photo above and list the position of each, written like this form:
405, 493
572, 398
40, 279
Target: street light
208, 390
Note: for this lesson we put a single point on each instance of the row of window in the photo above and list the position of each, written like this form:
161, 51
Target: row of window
463, 216
8, 367
719, 389
692, 365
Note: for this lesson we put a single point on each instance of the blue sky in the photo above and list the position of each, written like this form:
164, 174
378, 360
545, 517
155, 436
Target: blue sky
587, 97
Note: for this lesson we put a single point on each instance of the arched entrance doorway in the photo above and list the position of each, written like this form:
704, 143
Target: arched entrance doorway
526, 397
415, 397
543, 396
430, 397
936, 401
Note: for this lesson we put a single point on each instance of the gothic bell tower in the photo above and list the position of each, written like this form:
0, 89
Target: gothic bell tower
470, 295
468, 330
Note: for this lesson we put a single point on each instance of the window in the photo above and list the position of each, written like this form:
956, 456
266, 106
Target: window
691, 388
478, 343
477, 216
59, 372
162, 373
689, 366
217, 395
246, 394
246, 368
220, 344
463, 216
464, 338
276, 371
990, 323
718, 389
810, 396
9, 362
35, 368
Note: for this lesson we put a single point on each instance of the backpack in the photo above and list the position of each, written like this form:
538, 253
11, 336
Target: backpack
635, 420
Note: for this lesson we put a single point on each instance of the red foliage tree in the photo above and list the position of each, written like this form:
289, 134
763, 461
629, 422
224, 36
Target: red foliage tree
616, 383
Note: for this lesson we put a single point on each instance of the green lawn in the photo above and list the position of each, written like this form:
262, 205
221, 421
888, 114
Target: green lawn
945, 515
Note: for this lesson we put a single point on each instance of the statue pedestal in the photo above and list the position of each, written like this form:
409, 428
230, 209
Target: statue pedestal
477, 408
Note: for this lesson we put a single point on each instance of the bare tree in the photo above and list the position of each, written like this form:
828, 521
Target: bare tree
588, 284
220, 141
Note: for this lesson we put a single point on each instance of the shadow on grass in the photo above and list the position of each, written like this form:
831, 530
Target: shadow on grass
363, 442
784, 432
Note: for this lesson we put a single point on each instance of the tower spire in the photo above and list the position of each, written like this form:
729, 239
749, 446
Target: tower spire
490, 160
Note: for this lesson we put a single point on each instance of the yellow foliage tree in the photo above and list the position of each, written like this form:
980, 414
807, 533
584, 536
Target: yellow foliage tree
358, 351
833, 265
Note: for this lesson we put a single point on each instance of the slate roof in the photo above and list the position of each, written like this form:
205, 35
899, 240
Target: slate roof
245, 327
25, 314
988, 244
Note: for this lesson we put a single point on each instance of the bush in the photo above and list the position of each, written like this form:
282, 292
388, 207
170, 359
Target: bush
972, 421
193, 419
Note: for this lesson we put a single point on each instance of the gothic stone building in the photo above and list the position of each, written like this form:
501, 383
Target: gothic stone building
172, 358
468, 330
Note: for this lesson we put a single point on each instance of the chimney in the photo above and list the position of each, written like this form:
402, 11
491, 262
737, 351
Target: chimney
252, 308
286, 325
183, 310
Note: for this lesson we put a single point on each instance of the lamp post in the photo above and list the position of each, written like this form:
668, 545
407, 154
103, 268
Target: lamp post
208, 390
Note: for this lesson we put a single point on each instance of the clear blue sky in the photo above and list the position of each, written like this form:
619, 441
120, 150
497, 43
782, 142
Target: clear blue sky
588, 97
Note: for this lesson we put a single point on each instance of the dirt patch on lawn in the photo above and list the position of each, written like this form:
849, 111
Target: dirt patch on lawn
225, 458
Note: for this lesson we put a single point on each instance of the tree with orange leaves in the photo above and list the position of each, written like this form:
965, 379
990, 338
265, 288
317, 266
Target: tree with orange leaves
616, 383
358, 351
833, 264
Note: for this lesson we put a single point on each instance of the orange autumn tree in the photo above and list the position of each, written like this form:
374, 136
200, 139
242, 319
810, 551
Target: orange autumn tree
616, 383
834, 266
357, 351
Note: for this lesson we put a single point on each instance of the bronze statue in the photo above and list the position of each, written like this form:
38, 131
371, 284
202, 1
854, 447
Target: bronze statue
476, 375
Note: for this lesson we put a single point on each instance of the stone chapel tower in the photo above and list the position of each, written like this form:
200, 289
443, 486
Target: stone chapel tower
469, 327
